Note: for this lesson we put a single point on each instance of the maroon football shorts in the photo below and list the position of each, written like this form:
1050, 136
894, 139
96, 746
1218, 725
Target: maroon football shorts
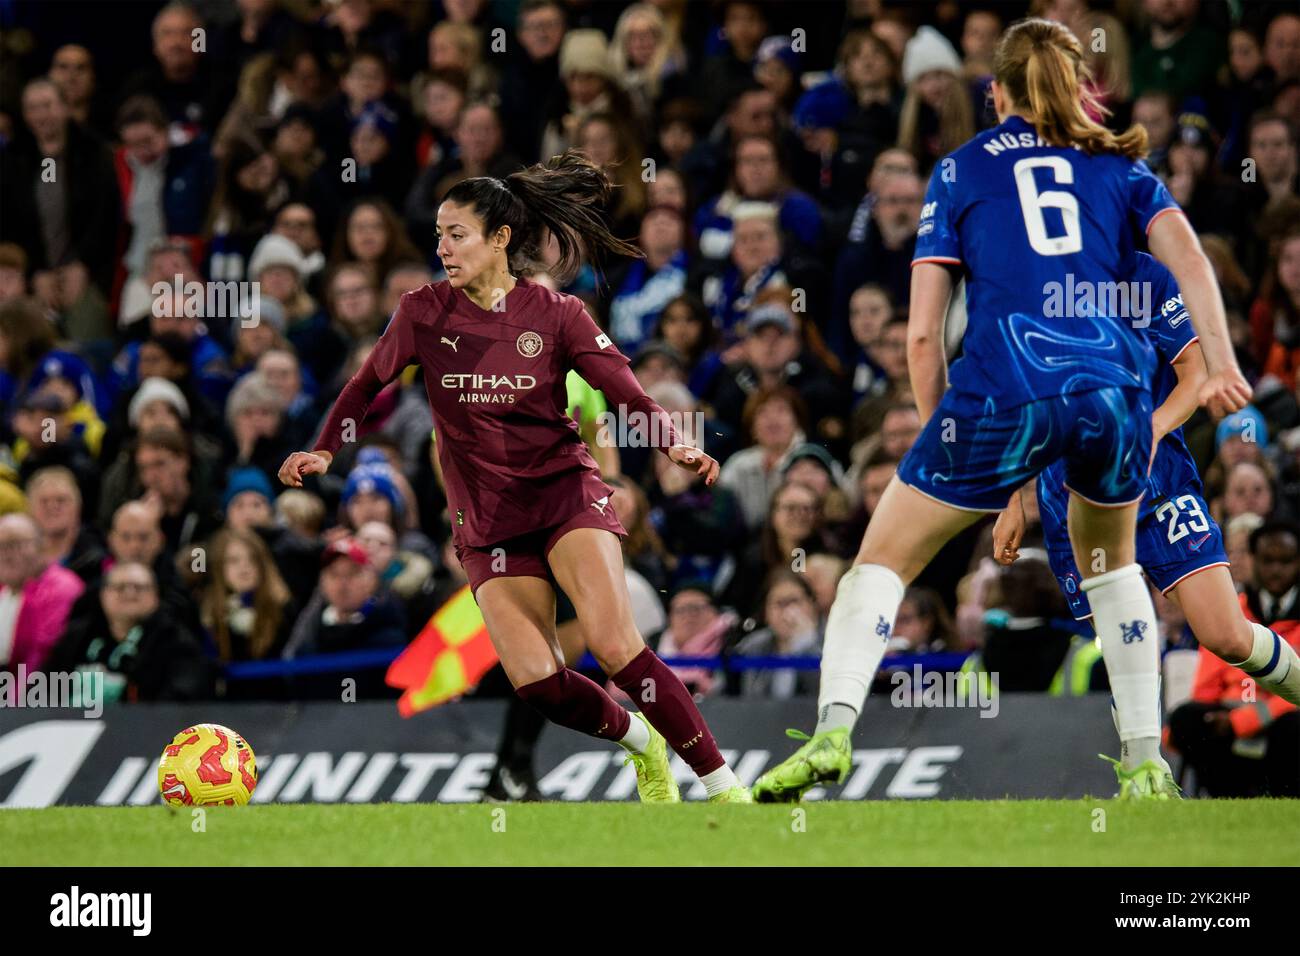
525, 555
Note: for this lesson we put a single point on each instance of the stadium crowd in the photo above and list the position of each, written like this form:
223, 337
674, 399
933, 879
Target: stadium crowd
771, 161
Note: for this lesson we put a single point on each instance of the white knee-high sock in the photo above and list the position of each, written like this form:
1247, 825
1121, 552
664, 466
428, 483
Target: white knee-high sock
857, 631
1125, 620
1274, 663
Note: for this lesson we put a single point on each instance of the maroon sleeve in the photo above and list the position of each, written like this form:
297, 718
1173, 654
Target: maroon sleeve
392, 353
597, 359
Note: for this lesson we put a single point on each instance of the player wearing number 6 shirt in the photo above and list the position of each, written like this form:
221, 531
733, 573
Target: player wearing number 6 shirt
527, 504
1047, 201
1179, 546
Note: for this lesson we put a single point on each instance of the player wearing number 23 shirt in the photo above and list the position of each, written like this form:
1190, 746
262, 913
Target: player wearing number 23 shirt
1176, 537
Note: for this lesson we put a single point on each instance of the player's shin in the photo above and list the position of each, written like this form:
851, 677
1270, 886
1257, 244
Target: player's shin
571, 700
1274, 663
668, 706
1125, 620
857, 631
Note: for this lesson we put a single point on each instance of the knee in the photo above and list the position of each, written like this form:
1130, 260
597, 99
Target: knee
614, 648
1233, 640
529, 670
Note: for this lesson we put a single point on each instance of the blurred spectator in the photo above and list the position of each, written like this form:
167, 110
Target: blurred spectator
790, 629
45, 437
13, 272
72, 70
531, 77
791, 530
1236, 537
164, 470
1179, 54
254, 335
725, 74
67, 225
685, 326
54, 500
192, 93
647, 59
123, 631
923, 625
36, 595
937, 115
647, 285
406, 574
349, 610
255, 418
589, 82
696, 628
1240, 739
773, 420
1156, 111
245, 606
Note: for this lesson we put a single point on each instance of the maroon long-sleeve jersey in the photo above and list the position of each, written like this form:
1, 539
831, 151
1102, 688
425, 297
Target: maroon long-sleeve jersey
512, 459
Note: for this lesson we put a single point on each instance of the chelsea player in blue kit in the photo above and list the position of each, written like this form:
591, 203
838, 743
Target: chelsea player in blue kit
1179, 546
1047, 198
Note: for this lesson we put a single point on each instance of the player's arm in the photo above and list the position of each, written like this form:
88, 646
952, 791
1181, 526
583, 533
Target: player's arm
1174, 243
606, 369
927, 365
393, 352
1192, 374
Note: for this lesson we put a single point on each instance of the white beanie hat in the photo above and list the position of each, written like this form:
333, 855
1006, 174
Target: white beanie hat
277, 250
929, 50
156, 390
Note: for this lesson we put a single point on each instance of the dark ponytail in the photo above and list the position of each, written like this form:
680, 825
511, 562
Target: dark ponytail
565, 197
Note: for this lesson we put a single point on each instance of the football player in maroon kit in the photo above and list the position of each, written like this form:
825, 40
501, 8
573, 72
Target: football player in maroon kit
529, 509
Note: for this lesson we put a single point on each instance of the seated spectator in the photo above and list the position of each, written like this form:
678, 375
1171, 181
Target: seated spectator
248, 506
254, 335
127, 634
166, 476
36, 595
296, 221
208, 361
165, 261
1248, 489
441, 96
377, 492
757, 176
1180, 53
791, 531
611, 143
280, 370
370, 234
590, 85
1275, 314
890, 353
26, 338
1025, 639
55, 503
281, 268
701, 525
773, 354
245, 606
349, 610
352, 299
923, 625
643, 290
755, 263
406, 574
789, 629
68, 376
13, 272
255, 419
773, 421
647, 58
44, 438
823, 574
250, 188
301, 512
685, 326
937, 114
402, 278
870, 307
1240, 739
696, 628
1236, 541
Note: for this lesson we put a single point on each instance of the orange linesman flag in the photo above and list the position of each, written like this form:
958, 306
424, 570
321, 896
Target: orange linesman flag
447, 658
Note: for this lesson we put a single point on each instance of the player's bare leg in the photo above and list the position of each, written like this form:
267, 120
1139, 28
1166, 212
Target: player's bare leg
1124, 618
588, 564
905, 533
520, 616
1210, 603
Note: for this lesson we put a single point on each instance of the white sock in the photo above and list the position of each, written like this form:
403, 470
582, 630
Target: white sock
637, 738
719, 781
857, 631
1125, 620
1274, 663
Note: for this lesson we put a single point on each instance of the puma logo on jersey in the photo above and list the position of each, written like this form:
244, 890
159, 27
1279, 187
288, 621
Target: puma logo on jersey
451, 342
600, 503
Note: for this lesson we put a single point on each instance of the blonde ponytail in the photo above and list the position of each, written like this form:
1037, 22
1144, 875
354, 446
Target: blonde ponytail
1040, 66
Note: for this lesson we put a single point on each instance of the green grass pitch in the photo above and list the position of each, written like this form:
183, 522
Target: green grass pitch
895, 833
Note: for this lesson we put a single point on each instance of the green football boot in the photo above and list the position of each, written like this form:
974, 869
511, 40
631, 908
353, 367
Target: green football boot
654, 778
734, 795
1149, 780
827, 757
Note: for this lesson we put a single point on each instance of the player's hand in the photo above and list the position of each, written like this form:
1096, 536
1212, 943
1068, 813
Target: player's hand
692, 459
302, 463
1007, 532
1224, 393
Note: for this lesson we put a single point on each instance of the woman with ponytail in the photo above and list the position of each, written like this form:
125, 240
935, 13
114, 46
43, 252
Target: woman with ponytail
528, 507
1046, 200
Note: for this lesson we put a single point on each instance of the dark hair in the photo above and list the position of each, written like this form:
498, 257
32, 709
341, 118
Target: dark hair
565, 197
166, 439
29, 334
141, 109
1267, 115
775, 393
1273, 527
174, 347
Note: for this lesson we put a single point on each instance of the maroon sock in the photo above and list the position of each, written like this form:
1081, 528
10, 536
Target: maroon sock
667, 704
571, 700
